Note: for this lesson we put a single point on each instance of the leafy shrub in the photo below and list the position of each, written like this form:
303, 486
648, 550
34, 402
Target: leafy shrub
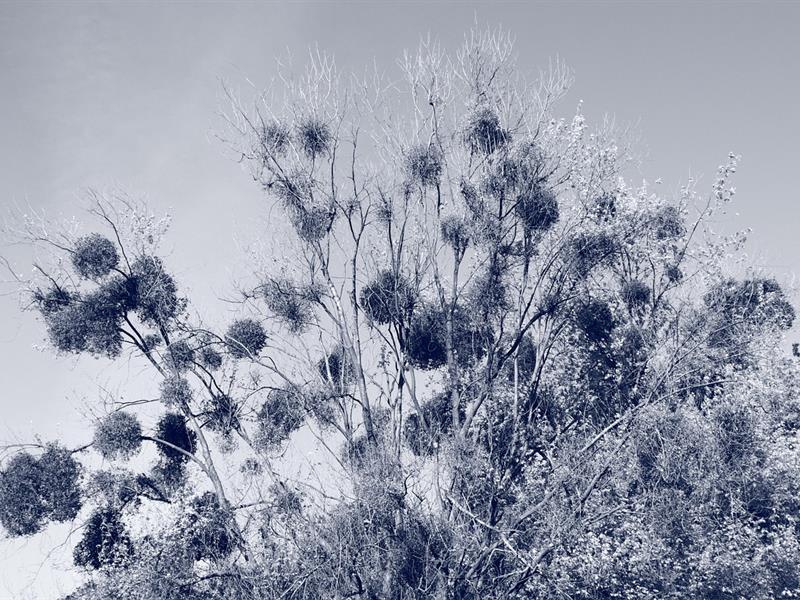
94, 256
119, 435
387, 299
245, 338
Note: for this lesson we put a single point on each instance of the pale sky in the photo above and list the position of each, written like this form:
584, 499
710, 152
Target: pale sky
125, 95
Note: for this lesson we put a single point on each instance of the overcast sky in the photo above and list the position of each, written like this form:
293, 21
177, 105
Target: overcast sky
125, 94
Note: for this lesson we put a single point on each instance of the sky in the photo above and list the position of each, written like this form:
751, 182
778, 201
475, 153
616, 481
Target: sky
126, 95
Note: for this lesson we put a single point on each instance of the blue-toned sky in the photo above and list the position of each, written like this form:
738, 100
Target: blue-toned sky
125, 94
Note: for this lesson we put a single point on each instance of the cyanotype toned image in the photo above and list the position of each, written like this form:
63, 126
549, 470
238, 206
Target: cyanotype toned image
399, 301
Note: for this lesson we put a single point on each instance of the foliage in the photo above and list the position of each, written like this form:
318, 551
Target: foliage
119, 435
33, 490
424, 164
388, 299
94, 256
279, 416
104, 541
498, 368
245, 338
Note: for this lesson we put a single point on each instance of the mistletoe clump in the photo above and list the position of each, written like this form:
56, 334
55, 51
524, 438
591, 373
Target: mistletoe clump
423, 430
387, 299
314, 137
525, 358
426, 345
537, 209
424, 165
635, 294
275, 138
604, 208
456, 233
735, 306
34, 490
119, 435
90, 322
171, 428
94, 256
280, 415
311, 216
175, 391
595, 320
590, 250
337, 370
245, 338
667, 223
223, 414
210, 358
157, 301
483, 132
179, 356
289, 303
180, 442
